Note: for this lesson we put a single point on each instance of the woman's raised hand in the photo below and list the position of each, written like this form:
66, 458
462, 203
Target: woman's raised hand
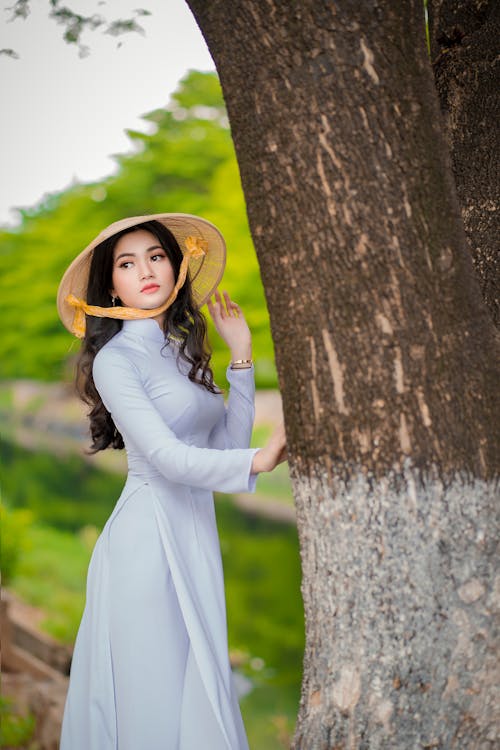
231, 325
273, 453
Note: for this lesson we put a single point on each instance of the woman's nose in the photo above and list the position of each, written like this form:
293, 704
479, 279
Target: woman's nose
145, 272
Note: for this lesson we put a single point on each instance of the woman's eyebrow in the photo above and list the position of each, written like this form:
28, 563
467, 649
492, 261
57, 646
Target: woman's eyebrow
124, 255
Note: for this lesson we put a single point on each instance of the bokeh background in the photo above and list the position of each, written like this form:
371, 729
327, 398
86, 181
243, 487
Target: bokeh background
137, 126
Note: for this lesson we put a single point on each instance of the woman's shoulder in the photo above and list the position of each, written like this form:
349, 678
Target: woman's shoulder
118, 352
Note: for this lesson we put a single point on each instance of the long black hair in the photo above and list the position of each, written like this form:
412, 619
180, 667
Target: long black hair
183, 320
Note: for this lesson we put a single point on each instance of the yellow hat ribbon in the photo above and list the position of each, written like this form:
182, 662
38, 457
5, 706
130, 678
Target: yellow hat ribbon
195, 248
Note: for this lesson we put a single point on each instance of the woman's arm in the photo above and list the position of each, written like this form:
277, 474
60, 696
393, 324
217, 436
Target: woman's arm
231, 326
234, 429
119, 383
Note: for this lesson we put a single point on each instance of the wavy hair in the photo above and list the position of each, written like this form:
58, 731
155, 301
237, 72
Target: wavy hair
183, 320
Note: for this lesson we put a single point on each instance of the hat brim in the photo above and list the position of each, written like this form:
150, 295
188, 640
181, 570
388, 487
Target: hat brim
205, 272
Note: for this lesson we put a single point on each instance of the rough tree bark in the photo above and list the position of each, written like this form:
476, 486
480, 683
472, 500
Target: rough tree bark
387, 360
465, 49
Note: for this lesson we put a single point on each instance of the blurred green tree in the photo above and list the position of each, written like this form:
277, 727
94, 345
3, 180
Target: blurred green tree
185, 163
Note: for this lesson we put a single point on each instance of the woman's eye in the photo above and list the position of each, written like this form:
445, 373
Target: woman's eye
157, 256
126, 264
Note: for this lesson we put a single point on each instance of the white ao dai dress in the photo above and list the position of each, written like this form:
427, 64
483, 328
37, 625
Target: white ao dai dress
150, 668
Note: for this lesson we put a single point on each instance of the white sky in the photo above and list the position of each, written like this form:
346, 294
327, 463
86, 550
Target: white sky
62, 116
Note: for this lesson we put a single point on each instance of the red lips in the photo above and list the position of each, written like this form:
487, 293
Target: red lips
150, 288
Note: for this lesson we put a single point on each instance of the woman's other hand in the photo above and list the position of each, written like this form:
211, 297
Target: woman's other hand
274, 453
231, 325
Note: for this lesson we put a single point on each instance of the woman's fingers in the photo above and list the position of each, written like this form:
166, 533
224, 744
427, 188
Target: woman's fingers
220, 302
222, 307
227, 300
278, 440
215, 306
283, 456
213, 309
232, 308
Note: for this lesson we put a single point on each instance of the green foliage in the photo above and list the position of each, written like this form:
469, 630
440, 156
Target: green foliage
186, 164
267, 609
14, 525
52, 575
15, 730
67, 494
265, 619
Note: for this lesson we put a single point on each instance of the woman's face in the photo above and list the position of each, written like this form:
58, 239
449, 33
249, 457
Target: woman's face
142, 273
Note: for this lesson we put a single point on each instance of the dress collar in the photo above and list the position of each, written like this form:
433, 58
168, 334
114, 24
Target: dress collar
146, 328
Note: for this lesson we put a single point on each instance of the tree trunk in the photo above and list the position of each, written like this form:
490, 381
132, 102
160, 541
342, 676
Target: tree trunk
465, 49
387, 360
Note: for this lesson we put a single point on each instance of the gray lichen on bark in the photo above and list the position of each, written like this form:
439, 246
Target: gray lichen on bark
416, 555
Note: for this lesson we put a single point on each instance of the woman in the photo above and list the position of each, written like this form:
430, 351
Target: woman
150, 669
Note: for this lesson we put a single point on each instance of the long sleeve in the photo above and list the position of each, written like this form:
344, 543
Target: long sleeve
234, 429
120, 386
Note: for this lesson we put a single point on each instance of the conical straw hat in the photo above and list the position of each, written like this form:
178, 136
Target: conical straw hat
205, 271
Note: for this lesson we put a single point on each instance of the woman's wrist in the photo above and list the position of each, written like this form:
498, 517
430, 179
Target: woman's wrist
257, 463
241, 364
244, 353
241, 357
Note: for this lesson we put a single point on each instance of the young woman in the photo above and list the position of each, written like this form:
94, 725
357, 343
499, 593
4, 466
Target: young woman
150, 669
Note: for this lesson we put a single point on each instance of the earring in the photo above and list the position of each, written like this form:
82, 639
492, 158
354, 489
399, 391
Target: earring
113, 300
